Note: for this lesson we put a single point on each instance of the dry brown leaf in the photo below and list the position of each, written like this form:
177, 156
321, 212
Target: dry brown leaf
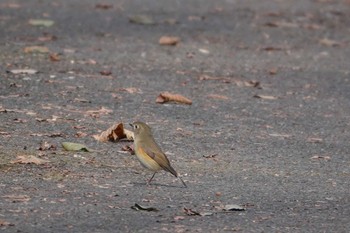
169, 40
221, 97
166, 97
329, 42
115, 133
27, 159
55, 57
265, 97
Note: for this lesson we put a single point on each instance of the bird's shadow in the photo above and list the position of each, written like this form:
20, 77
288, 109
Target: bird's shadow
156, 185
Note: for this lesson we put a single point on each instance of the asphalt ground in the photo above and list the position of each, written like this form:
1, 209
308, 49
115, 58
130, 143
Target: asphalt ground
268, 128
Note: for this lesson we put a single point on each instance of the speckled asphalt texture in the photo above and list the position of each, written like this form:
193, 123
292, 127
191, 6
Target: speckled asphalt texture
268, 129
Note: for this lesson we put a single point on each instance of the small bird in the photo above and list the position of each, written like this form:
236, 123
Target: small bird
149, 153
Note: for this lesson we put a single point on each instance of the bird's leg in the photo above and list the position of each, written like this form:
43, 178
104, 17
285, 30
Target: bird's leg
149, 181
183, 182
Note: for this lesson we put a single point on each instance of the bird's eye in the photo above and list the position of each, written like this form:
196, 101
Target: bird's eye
136, 126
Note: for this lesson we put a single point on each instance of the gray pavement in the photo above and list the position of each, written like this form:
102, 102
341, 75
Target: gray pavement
279, 148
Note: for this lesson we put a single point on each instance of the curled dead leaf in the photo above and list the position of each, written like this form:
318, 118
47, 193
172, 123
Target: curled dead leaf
166, 97
115, 133
169, 40
146, 208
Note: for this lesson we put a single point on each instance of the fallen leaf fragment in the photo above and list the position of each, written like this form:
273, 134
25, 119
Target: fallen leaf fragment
41, 22
167, 97
115, 133
36, 49
273, 71
265, 97
103, 6
191, 212
146, 208
271, 48
105, 72
141, 19
4, 223
169, 40
250, 83
23, 71
329, 42
28, 159
131, 90
233, 207
47, 146
321, 157
55, 57
221, 97
204, 51
314, 140
281, 24
71, 146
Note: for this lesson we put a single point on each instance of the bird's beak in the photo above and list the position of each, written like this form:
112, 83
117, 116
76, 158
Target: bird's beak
131, 125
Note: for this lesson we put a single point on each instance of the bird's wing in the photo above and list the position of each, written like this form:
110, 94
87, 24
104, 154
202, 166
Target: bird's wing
157, 155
